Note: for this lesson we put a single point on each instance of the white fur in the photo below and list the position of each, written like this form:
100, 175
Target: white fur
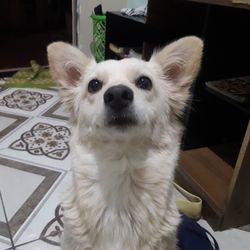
121, 197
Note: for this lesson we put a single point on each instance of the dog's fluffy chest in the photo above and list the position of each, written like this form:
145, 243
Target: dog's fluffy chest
121, 195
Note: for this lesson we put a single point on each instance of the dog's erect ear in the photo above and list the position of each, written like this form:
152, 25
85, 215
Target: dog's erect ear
180, 60
67, 63
67, 66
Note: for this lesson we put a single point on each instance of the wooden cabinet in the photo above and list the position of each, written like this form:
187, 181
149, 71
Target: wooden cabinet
224, 188
215, 161
219, 170
123, 31
225, 3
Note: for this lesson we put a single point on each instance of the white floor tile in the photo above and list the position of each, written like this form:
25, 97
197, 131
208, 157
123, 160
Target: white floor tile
3, 246
231, 239
25, 188
38, 245
15, 195
9, 123
61, 111
56, 111
43, 221
5, 122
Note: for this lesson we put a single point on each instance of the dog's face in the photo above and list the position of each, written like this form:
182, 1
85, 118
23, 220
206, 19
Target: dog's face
126, 95
117, 94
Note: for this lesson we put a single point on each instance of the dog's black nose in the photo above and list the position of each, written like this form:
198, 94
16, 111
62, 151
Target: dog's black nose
118, 97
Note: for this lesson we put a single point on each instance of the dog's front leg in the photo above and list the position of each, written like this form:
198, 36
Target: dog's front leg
66, 241
166, 246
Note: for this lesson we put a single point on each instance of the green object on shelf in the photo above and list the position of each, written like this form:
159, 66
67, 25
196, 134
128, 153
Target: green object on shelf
34, 77
99, 30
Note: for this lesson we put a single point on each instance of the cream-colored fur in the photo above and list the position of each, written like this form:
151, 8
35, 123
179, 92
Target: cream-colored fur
121, 197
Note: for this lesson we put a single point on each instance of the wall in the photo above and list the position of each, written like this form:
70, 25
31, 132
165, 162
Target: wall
136, 3
85, 8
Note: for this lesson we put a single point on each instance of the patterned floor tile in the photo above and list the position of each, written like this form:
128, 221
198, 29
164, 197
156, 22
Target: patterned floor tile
40, 140
57, 111
23, 195
10, 122
29, 102
47, 224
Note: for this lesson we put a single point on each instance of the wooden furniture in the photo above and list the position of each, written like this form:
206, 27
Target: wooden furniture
151, 31
220, 170
123, 31
215, 162
224, 187
227, 3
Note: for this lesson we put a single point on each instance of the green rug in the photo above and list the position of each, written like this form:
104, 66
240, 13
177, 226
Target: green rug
34, 77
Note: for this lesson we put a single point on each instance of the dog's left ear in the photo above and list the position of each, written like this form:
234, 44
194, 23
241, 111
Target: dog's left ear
67, 66
67, 63
180, 60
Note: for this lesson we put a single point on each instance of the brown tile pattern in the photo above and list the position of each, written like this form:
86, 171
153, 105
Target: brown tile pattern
24, 100
52, 232
45, 139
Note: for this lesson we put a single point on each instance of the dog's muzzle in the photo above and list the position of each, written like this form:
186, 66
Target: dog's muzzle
118, 101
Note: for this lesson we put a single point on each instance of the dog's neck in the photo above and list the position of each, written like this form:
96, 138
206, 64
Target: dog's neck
116, 168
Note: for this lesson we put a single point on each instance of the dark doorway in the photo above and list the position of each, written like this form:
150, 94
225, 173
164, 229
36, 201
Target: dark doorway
28, 26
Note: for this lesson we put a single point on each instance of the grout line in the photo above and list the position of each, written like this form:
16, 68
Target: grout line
22, 244
36, 163
19, 126
41, 203
31, 241
7, 222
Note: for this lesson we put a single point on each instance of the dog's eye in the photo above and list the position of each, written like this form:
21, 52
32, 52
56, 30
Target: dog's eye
144, 82
94, 86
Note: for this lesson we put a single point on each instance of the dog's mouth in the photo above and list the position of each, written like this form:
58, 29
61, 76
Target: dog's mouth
121, 120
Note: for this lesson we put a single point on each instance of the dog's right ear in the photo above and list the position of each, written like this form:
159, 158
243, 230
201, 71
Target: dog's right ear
67, 66
180, 63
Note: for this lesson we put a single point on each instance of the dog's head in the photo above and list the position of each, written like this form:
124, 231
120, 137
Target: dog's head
126, 95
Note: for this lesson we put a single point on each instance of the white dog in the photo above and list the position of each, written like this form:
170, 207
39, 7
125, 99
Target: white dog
125, 145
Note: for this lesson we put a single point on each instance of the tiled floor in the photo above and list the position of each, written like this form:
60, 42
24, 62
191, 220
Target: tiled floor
35, 169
